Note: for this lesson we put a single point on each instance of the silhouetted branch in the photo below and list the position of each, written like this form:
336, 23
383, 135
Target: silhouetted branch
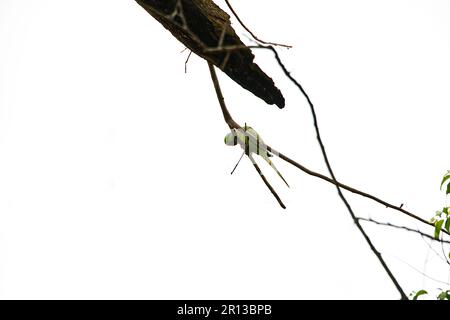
316, 174
330, 170
387, 224
221, 46
226, 114
232, 124
201, 24
250, 31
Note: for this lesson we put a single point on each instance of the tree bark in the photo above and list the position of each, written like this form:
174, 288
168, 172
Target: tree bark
200, 25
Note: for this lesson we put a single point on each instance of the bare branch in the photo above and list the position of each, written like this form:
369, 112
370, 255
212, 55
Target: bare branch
250, 31
226, 114
186, 62
199, 24
356, 191
330, 170
420, 272
272, 190
221, 52
316, 174
387, 224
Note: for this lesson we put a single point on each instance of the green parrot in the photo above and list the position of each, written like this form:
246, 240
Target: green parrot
251, 142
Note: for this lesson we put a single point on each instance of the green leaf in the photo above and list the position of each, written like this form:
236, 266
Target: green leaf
443, 295
448, 189
447, 224
419, 293
445, 210
446, 177
437, 228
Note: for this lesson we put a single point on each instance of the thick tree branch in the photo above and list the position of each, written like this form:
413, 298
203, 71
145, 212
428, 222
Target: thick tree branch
201, 24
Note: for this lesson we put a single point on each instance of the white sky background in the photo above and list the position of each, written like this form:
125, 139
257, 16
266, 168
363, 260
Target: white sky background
113, 184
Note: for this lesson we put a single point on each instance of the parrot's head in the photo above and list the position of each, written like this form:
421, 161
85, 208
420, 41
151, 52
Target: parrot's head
231, 138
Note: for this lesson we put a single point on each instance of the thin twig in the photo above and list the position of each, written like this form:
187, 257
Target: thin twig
238, 162
250, 31
226, 114
418, 271
186, 62
430, 247
272, 190
443, 250
356, 191
387, 224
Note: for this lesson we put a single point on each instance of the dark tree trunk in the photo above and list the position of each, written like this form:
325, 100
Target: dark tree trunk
204, 23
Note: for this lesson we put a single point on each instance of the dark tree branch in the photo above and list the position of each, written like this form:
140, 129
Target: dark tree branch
330, 170
186, 62
201, 24
250, 31
232, 124
335, 182
189, 27
316, 174
226, 114
282, 156
272, 190
420, 272
356, 191
387, 224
